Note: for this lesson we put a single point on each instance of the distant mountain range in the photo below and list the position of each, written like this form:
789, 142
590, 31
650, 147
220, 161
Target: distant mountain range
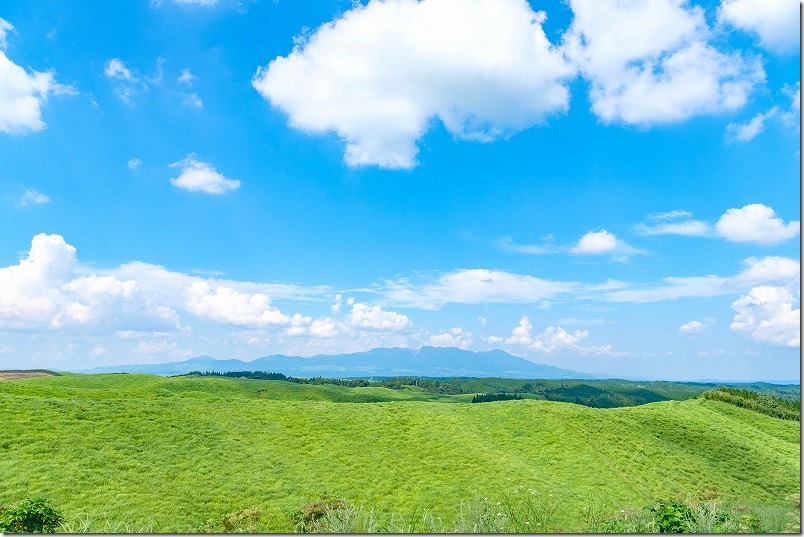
381, 362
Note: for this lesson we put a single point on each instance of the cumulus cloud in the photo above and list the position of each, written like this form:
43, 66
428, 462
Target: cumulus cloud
325, 328
33, 197
769, 269
23, 94
199, 176
751, 223
456, 337
744, 132
378, 75
43, 291
376, 318
226, 305
755, 223
766, 315
596, 242
692, 327
650, 62
474, 286
775, 22
603, 242
552, 339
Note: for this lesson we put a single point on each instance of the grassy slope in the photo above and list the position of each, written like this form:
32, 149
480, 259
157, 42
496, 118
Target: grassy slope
177, 451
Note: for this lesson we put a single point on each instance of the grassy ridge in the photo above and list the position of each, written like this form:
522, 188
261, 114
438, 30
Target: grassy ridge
171, 452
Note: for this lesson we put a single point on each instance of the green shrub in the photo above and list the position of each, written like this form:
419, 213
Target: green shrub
30, 516
672, 516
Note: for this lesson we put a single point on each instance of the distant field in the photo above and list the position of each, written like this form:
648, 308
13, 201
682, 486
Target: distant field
22, 374
166, 454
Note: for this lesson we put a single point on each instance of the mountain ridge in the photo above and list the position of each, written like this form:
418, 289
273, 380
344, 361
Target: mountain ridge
379, 362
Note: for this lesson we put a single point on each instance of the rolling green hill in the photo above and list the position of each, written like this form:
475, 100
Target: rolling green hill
166, 454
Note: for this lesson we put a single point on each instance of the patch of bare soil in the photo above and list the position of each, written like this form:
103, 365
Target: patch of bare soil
8, 375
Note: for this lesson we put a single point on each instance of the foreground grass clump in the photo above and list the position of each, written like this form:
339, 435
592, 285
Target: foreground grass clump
146, 453
33, 515
526, 511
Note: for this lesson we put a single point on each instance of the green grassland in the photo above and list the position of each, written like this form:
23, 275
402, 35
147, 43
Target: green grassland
166, 454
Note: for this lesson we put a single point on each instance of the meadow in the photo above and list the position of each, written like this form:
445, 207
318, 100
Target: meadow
124, 452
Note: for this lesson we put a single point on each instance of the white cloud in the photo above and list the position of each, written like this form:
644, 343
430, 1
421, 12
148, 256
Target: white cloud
596, 242
335, 308
553, 339
33, 197
192, 100
692, 327
456, 337
186, 77
766, 315
22, 95
649, 62
125, 81
669, 215
226, 305
556, 339
603, 242
474, 286
687, 228
676, 222
791, 116
115, 69
775, 22
134, 163
673, 288
769, 269
521, 334
379, 74
5, 28
744, 132
375, 318
201, 177
325, 328
44, 292
755, 223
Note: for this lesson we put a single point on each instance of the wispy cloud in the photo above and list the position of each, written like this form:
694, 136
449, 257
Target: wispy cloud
33, 197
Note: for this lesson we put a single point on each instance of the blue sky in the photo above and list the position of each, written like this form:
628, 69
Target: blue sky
608, 186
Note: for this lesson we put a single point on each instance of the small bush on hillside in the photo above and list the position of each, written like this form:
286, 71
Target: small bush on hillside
312, 517
243, 521
30, 516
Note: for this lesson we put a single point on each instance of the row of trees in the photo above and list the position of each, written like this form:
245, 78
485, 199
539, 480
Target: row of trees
766, 404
